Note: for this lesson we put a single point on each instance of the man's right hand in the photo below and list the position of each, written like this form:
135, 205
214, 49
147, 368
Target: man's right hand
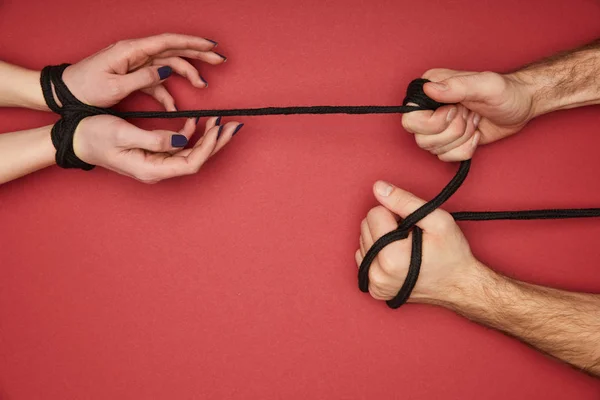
486, 107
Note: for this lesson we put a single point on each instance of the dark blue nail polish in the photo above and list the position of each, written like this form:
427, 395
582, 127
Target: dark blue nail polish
197, 119
204, 81
218, 121
178, 141
222, 56
215, 44
165, 72
237, 129
220, 131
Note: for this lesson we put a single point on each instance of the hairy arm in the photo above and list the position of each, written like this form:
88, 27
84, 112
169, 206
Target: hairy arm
563, 324
566, 80
484, 107
20, 87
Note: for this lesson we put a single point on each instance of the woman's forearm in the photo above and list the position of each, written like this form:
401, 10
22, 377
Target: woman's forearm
24, 152
20, 87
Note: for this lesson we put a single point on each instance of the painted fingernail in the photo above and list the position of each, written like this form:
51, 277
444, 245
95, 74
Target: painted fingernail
220, 131
237, 129
218, 121
476, 119
165, 72
451, 114
197, 119
178, 141
204, 81
222, 56
441, 86
383, 188
215, 44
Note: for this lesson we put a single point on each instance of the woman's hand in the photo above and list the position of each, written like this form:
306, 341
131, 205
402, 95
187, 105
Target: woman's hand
107, 77
148, 156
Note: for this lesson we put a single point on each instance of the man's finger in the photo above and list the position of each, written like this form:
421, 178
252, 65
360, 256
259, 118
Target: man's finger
429, 122
404, 203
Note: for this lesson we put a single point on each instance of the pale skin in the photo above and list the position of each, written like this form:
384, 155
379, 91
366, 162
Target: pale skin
489, 107
103, 80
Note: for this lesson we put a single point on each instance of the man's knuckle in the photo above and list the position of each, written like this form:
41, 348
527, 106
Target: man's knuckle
432, 73
388, 263
445, 223
423, 142
408, 124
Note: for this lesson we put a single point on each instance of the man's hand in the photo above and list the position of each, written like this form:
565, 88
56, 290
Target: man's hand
447, 257
450, 276
112, 74
489, 107
148, 156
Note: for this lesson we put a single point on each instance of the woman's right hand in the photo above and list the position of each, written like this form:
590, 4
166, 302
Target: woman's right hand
486, 107
148, 156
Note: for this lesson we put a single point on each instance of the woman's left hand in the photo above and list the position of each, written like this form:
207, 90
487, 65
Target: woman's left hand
107, 77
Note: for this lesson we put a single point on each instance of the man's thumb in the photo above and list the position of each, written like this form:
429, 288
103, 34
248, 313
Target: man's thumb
458, 89
403, 203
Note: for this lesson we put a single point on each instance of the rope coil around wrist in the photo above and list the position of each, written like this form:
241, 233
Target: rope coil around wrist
74, 111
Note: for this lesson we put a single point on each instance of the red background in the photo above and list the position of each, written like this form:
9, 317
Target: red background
240, 282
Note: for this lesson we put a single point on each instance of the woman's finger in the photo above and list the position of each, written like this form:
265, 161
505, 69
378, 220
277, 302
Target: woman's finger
162, 95
210, 57
183, 68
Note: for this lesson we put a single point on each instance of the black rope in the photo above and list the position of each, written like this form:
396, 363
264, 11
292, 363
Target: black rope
72, 111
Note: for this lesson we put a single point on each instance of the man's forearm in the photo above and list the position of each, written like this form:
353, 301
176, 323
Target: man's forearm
20, 87
563, 324
566, 80
24, 152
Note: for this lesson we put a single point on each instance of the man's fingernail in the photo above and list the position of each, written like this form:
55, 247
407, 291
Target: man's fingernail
178, 141
165, 72
465, 113
441, 86
203, 81
475, 140
237, 129
451, 114
476, 119
220, 131
197, 119
218, 121
222, 56
383, 189
215, 44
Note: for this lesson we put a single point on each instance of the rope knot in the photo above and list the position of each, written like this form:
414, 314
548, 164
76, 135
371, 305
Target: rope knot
72, 112
416, 95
